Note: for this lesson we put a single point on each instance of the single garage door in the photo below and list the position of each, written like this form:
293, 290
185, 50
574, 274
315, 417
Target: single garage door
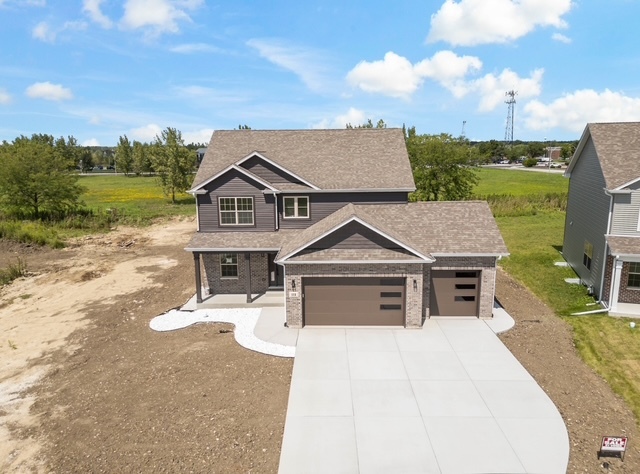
353, 301
454, 293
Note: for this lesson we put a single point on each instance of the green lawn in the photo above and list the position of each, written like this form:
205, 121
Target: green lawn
609, 345
134, 199
519, 183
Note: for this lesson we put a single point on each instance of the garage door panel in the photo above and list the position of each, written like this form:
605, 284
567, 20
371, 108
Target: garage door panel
454, 293
354, 301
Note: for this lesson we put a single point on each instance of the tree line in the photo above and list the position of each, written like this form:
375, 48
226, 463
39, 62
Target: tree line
39, 179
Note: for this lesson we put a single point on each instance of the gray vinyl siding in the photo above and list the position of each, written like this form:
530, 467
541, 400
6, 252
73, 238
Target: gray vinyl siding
355, 236
587, 217
235, 184
626, 208
268, 172
323, 204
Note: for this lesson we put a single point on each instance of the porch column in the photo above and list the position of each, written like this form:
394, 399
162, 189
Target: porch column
196, 261
615, 284
247, 275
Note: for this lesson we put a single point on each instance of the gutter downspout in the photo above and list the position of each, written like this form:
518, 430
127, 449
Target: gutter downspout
275, 204
606, 246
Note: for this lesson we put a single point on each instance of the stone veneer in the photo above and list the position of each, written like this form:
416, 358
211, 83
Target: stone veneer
218, 285
487, 268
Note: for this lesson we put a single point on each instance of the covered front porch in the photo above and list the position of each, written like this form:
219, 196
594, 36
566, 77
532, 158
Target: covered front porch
623, 273
268, 299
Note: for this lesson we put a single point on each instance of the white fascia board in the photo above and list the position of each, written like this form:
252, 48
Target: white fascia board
581, 144
360, 221
462, 255
230, 249
357, 190
621, 190
363, 262
245, 172
273, 163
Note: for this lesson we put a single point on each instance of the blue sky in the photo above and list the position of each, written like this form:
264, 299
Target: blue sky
98, 69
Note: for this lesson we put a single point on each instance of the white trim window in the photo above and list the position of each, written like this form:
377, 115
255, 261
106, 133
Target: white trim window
229, 265
295, 207
236, 210
633, 280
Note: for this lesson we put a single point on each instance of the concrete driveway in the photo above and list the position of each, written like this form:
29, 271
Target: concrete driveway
449, 398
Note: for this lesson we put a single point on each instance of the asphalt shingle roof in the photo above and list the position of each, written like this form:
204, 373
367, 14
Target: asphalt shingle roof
624, 246
328, 159
618, 148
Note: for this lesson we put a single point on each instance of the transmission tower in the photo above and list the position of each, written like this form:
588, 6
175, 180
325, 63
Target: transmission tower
464, 122
511, 105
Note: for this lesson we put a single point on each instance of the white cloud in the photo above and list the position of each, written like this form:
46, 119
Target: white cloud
5, 98
191, 48
474, 22
146, 133
43, 32
302, 62
492, 88
157, 16
91, 142
395, 76
573, 111
353, 116
92, 8
561, 38
48, 91
197, 136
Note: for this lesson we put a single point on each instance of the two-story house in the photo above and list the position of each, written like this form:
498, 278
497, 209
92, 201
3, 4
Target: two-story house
323, 216
602, 227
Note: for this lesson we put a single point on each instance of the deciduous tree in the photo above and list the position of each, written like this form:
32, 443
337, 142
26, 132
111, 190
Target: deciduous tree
124, 156
443, 166
172, 162
35, 178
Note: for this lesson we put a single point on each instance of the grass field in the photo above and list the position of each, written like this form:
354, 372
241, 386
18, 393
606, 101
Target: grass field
609, 345
135, 200
519, 183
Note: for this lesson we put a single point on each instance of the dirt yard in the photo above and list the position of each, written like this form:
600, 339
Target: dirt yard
86, 386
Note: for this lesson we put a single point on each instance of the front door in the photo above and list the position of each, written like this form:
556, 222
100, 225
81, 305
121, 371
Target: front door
276, 273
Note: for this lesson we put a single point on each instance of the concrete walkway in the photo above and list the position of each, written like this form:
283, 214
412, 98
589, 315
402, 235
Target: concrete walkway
449, 398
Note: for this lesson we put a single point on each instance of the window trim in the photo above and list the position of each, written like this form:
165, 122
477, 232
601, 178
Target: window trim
587, 255
228, 277
295, 207
237, 222
637, 272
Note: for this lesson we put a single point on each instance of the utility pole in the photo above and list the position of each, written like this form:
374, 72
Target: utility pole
511, 102
464, 122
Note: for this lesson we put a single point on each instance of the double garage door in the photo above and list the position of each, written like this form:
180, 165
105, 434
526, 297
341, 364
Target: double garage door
354, 301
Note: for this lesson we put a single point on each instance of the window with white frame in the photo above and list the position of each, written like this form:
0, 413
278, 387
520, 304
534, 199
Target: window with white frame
236, 210
229, 265
296, 207
588, 254
634, 275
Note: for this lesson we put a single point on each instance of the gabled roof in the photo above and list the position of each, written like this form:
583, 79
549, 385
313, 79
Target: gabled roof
617, 146
425, 229
349, 159
239, 169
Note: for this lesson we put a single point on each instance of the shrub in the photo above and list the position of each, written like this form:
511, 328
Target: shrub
529, 162
13, 271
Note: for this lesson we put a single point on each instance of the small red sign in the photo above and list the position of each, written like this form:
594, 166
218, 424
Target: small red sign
614, 443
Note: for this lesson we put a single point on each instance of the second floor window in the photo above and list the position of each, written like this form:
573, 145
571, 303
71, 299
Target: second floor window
236, 210
295, 206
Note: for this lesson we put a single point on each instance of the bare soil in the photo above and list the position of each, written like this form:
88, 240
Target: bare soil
86, 386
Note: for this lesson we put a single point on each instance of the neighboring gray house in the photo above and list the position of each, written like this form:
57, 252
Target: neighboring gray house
602, 227
324, 217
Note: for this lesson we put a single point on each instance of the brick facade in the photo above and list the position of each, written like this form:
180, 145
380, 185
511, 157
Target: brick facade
627, 294
218, 285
